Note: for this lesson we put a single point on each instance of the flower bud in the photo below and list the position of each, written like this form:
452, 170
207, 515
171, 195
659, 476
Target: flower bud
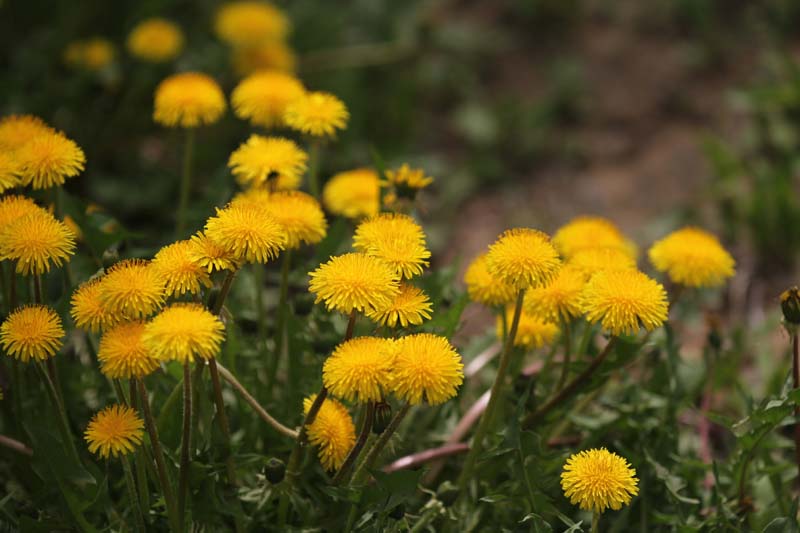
790, 305
274, 470
383, 415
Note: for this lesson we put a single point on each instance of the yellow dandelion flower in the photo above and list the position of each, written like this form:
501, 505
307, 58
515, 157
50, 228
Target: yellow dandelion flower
115, 431
122, 353
533, 331
397, 240
48, 159
692, 257
590, 232
247, 233
14, 207
426, 367
410, 307
405, 178
354, 281
87, 308
276, 56
299, 213
17, 130
181, 273
332, 431
248, 23
32, 332
360, 369
91, 54
262, 97
560, 299
523, 258
597, 480
268, 161
35, 241
132, 289
589, 261
353, 194
484, 288
210, 255
156, 40
10, 170
624, 300
184, 332
317, 114
188, 100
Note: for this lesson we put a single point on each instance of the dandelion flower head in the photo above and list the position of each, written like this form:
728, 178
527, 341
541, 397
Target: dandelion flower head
32, 332
35, 241
17, 130
87, 308
249, 23
184, 332
182, 274
262, 97
523, 258
597, 479
272, 162
14, 207
590, 232
188, 100
48, 159
248, 233
132, 289
406, 178
533, 331
9, 171
397, 240
210, 255
560, 299
592, 260
484, 288
122, 353
115, 431
299, 213
426, 367
360, 369
317, 114
353, 194
411, 306
354, 281
93, 54
693, 257
332, 432
624, 300
156, 40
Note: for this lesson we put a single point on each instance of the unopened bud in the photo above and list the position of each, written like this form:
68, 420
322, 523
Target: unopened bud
383, 415
790, 305
274, 470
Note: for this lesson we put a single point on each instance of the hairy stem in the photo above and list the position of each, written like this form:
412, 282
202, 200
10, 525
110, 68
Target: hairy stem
186, 182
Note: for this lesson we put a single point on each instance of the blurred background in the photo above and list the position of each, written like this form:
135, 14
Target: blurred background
527, 112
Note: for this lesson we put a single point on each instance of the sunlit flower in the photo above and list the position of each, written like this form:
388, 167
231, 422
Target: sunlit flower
188, 100
247, 233
692, 257
397, 240
317, 114
484, 288
353, 194
597, 480
248, 23
271, 55
14, 207
156, 40
184, 332
48, 159
35, 241
533, 331
426, 367
17, 130
589, 261
132, 289
87, 308
262, 97
523, 258
590, 232
116, 430
91, 54
354, 281
332, 431
210, 255
360, 369
624, 300
122, 353
9, 171
181, 273
559, 299
299, 213
32, 332
272, 162
405, 178
410, 307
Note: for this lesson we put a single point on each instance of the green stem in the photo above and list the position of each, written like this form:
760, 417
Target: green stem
283, 314
380, 444
258, 277
366, 427
223, 421
139, 461
567, 335
499, 381
796, 383
186, 182
313, 168
572, 387
595, 522
136, 503
186, 444
583, 347
158, 454
224, 289
61, 414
